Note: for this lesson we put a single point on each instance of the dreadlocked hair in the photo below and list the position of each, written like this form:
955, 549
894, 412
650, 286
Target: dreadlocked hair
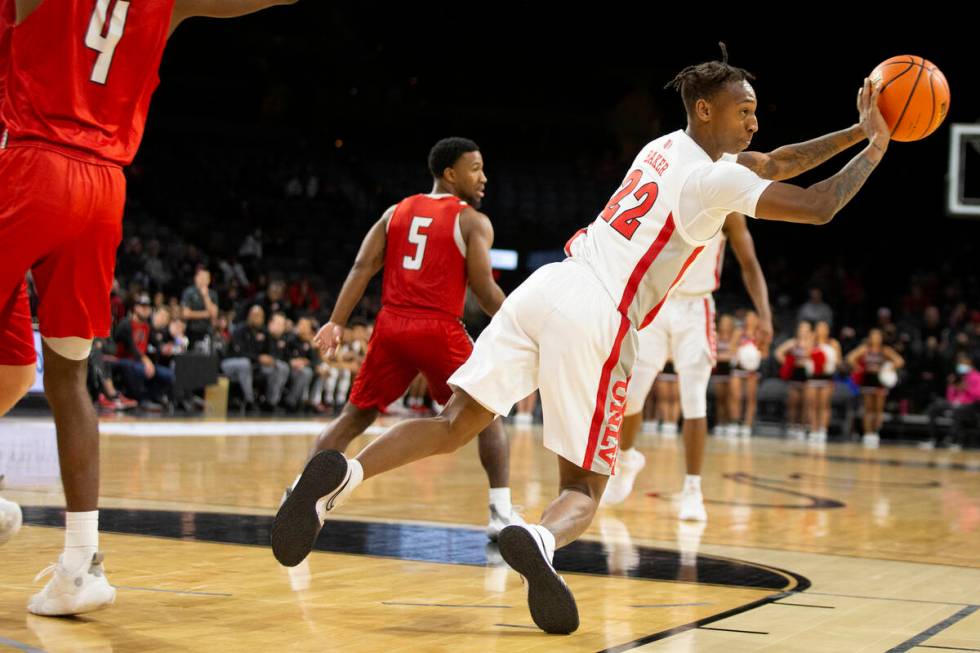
706, 79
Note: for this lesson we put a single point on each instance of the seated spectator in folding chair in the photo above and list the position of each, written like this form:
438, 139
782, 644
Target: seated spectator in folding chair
144, 380
962, 404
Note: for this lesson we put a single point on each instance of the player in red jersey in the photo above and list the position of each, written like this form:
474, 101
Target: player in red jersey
78, 78
430, 246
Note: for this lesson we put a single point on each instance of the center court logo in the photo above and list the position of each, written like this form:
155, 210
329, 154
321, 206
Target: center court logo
609, 446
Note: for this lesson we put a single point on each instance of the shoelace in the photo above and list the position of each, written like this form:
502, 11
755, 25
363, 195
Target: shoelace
47, 570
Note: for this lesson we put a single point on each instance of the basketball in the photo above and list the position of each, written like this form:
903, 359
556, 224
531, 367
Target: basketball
914, 96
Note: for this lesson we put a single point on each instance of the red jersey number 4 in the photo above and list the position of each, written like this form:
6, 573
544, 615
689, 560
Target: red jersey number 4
104, 33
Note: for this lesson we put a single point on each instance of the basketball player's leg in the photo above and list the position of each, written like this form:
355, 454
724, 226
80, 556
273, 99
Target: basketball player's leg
20, 245
438, 353
583, 397
17, 356
76, 424
651, 357
694, 358
502, 370
461, 420
73, 284
329, 477
351, 422
570, 515
383, 378
17, 367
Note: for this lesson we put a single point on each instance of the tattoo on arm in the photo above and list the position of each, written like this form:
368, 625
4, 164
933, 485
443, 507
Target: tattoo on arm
792, 160
846, 183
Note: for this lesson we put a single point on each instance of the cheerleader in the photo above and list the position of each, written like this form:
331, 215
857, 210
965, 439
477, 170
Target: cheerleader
826, 357
744, 383
794, 359
874, 366
721, 375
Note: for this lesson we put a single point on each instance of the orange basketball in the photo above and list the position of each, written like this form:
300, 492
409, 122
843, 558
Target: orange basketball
914, 96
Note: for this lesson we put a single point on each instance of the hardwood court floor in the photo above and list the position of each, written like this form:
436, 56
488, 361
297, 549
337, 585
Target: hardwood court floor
831, 549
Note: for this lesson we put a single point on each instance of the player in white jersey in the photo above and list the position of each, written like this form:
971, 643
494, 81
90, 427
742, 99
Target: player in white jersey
570, 328
685, 332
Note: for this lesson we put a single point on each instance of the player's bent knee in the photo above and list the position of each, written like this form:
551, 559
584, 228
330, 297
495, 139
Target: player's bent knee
694, 391
72, 348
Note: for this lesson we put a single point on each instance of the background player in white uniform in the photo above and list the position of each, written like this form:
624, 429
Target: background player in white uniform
570, 328
685, 332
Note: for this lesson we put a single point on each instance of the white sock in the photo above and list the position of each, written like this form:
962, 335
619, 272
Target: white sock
81, 538
500, 499
549, 540
692, 483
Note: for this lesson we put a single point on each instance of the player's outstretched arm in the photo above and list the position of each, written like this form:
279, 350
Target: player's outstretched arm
370, 259
790, 161
742, 244
219, 8
819, 203
478, 236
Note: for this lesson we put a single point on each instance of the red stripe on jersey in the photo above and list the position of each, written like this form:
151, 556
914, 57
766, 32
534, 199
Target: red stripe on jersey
568, 245
721, 250
709, 329
656, 309
599, 415
641, 268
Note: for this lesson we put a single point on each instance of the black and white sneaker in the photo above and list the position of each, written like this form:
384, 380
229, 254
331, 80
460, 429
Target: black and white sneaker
550, 601
324, 485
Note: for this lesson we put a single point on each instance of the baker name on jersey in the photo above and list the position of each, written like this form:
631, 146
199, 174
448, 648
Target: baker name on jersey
657, 161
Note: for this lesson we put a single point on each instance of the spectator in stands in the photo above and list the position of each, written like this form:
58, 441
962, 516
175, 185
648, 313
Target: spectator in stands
145, 380
927, 373
167, 338
303, 360
815, 309
302, 297
276, 370
200, 308
100, 384
273, 300
248, 344
962, 404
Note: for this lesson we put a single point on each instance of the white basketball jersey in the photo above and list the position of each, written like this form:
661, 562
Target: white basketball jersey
704, 275
672, 204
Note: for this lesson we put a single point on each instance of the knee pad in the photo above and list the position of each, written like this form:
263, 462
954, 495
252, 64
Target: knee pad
72, 348
694, 390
